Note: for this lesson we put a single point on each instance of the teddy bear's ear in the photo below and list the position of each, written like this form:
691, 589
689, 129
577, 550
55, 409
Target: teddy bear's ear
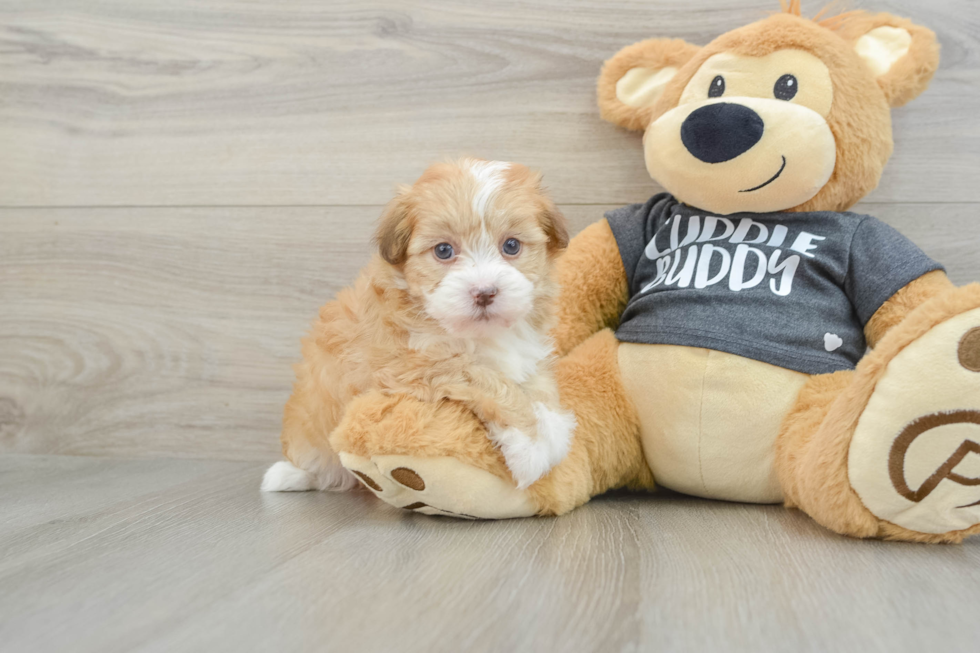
902, 56
634, 78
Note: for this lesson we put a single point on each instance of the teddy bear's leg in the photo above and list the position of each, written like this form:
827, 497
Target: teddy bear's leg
811, 459
606, 450
436, 458
892, 449
432, 458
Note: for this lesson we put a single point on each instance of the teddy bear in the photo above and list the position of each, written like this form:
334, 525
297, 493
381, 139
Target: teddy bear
740, 336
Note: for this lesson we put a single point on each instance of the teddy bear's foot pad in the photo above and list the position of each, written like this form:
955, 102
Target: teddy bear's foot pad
439, 486
914, 458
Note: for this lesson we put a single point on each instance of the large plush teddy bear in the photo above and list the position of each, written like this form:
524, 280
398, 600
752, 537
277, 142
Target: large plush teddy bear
743, 301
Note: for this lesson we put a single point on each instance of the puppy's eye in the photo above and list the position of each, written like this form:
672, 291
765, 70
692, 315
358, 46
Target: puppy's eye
444, 251
786, 88
717, 88
511, 247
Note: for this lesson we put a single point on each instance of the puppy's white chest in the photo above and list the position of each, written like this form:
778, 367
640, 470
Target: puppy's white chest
516, 352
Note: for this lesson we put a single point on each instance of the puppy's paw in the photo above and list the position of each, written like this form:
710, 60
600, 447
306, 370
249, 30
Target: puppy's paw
556, 428
529, 459
283, 476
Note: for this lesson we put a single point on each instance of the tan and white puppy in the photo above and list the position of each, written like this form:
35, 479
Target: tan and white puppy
457, 306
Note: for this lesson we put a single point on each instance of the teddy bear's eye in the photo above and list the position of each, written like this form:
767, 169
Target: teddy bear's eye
786, 88
717, 88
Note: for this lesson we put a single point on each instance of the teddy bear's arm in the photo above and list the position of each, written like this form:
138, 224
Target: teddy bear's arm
594, 290
904, 302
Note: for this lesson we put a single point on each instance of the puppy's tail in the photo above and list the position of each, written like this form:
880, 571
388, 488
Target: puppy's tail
317, 470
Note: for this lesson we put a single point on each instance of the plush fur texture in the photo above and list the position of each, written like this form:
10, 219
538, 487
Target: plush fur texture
812, 448
655, 54
605, 452
906, 300
911, 74
375, 422
859, 119
593, 285
445, 312
811, 459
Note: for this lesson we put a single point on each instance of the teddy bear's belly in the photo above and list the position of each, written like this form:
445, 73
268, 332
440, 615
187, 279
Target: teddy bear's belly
708, 419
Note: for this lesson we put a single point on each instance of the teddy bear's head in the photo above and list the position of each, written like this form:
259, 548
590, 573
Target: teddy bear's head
786, 114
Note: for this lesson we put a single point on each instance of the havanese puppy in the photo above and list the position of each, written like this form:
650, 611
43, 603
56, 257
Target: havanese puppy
457, 304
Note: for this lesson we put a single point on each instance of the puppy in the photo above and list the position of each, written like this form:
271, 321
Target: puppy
457, 305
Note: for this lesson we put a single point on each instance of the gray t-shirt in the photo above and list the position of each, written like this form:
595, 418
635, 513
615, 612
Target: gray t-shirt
790, 289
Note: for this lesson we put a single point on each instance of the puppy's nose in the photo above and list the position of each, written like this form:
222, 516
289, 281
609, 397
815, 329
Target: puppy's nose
722, 131
484, 295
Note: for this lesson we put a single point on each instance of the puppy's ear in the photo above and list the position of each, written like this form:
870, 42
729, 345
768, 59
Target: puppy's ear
901, 55
555, 226
636, 76
395, 228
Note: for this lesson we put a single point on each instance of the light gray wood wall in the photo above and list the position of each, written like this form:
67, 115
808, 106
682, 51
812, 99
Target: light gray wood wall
182, 184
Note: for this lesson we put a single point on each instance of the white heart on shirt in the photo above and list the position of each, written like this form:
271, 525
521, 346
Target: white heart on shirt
832, 342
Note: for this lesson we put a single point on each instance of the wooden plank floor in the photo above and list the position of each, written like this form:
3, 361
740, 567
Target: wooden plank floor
104, 555
182, 184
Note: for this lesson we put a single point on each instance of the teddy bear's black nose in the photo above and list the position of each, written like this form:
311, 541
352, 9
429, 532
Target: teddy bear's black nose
722, 131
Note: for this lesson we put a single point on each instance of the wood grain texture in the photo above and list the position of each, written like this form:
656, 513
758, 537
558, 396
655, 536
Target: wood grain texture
164, 331
113, 102
113, 555
171, 332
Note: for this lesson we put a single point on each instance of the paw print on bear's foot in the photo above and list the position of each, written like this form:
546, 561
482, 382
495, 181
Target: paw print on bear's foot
969, 350
439, 486
914, 458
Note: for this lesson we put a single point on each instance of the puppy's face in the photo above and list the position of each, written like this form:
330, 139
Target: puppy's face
474, 241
